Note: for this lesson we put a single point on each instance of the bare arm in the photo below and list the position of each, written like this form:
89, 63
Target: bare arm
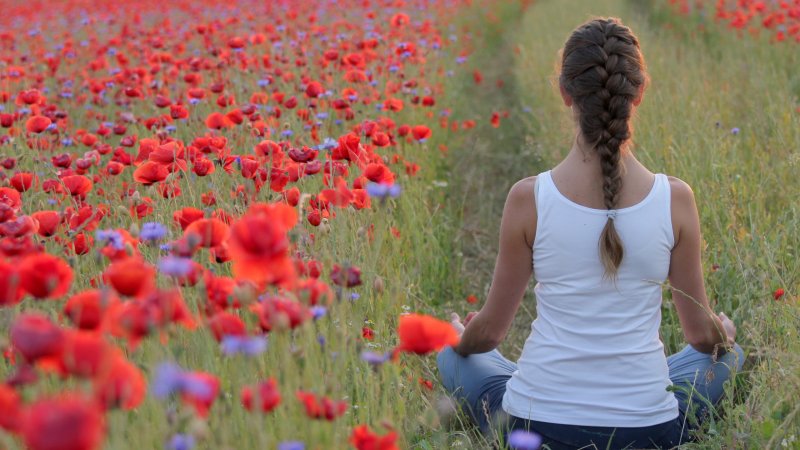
512, 273
702, 328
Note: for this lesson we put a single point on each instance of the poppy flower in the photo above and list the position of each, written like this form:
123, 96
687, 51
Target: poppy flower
86, 309
349, 276
219, 293
224, 323
423, 334
45, 276
217, 120
130, 277
201, 399
121, 385
37, 124
34, 336
314, 291
11, 291
84, 354
10, 198
778, 293
363, 438
276, 312
23, 181
321, 407
265, 396
48, 222
210, 232
10, 408
21, 226
67, 421
420, 132
150, 172
259, 245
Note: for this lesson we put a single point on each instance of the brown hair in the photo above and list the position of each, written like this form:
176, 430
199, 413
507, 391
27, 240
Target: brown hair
603, 70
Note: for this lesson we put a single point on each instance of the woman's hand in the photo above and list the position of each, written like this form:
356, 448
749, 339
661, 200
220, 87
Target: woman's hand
730, 328
455, 320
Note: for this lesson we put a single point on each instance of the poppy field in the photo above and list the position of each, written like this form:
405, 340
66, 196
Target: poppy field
241, 225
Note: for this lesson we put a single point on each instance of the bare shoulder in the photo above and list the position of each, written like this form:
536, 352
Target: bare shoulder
521, 193
682, 193
521, 207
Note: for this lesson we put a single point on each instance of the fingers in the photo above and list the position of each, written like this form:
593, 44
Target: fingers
454, 317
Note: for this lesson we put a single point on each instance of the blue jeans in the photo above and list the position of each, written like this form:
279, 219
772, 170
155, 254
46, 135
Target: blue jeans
478, 382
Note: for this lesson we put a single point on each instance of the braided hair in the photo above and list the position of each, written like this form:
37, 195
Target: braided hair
603, 70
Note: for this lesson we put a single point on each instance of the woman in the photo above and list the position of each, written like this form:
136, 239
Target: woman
602, 233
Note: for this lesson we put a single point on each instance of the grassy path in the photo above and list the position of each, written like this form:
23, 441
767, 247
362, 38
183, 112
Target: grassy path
719, 114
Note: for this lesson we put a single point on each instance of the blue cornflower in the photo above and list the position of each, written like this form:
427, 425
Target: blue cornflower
152, 231
175, 266
380, 190
110, 237
247, 345
318, 311
375, 359
524, 440
181, 442
291, 445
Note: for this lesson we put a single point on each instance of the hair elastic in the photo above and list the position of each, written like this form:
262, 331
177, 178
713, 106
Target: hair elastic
611, 214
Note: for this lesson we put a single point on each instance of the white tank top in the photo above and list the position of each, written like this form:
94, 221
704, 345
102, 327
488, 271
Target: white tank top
594, 356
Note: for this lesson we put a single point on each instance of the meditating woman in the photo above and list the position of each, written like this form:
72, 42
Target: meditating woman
600, 233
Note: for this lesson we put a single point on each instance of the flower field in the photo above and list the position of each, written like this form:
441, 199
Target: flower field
237, 225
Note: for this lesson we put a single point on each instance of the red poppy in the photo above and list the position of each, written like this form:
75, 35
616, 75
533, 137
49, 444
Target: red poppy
121, 385
201, 401
219, 292
11, 199
23, 181
66, 422
86, 309
150, 172
210, 232
349, 276
217, 120
37, 124
11, 291
281, 313
365, 439
259, 246
84, 354
314, 291
420, 132
224, 324
423, 334
48, 222
379, 173
21, 226
264, 395
10, 408
45, 276
778, 293
131, 276
321, 407
34, 336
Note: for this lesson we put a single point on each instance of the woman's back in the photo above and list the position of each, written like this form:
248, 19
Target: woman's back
594, 356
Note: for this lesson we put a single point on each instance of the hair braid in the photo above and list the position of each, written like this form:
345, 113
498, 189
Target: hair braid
603, 71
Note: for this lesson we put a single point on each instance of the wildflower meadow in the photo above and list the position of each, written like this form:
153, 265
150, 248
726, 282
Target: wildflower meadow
244, 224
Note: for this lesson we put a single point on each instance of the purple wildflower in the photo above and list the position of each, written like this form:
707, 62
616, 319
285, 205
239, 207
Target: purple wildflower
524, 440
318, 311
380, 190
175, 266
375, 359
291, 445
248, 345
181, 442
